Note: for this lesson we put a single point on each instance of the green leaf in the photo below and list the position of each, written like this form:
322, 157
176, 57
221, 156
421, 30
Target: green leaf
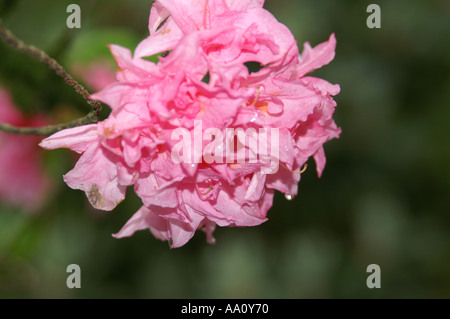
93, 44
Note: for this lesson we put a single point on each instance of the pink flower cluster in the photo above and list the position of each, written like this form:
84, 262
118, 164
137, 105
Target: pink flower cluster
202, 75
23, 181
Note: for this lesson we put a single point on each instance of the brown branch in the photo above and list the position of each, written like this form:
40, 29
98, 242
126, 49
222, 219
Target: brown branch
53, 65
50, 129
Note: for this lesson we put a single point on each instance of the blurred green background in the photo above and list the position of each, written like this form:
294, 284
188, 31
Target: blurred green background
383, 199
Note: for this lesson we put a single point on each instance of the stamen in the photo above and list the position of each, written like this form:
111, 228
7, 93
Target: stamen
305, 166
258, 90
302, 170
204, 194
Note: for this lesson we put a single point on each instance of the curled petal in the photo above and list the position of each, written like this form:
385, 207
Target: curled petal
312, 59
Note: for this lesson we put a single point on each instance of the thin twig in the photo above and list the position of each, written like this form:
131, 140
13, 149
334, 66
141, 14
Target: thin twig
50, 129
53, 65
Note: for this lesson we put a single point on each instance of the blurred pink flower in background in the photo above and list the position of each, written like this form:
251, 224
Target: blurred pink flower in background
96, 75
23, 180
204, 77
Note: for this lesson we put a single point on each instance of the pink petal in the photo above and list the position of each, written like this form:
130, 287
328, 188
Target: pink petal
227, 204
157, 16
312, 59
164, 39
321, 160
256, 187
195, 205
179, 233
77, 139
285, 180
244, 4
156, 191
323, 86
134, 224
189, 15
96, 174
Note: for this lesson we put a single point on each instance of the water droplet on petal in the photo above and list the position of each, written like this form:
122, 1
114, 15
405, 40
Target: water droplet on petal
254, 118
288, 196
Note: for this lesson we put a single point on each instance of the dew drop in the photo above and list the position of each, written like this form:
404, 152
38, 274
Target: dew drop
288, 196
